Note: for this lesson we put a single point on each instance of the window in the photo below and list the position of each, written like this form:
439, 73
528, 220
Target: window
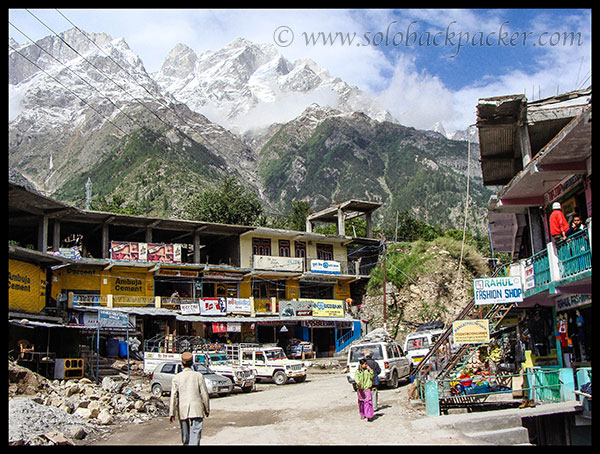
390, 351
284, 248
261, 246
260, 357
324, 251
168, 368
300, 247
360, 351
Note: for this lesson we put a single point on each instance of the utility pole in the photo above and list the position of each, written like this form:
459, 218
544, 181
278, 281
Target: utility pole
88, 193
384, 283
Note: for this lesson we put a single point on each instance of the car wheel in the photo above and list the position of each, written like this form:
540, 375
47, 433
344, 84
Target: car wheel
300, 379
247, 389
157, 389
280, 378
394, 381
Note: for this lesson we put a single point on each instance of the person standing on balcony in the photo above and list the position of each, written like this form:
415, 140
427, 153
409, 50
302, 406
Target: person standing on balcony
558, 223
576, 225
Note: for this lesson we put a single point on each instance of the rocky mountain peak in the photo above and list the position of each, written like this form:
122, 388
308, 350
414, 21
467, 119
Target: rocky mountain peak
245, 79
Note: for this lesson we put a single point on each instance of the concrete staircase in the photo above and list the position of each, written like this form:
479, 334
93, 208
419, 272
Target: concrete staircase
500, 427
498, 430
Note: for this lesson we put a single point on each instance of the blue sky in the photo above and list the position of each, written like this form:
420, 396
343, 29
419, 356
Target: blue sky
424, 66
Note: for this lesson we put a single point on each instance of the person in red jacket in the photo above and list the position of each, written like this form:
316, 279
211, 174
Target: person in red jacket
558, 223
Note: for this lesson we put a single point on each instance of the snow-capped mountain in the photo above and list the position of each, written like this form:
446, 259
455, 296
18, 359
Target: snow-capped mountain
246, 86
287, 130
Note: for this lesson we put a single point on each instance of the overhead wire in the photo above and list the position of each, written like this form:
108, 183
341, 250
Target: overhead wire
102, 72
67, 88
122, 68
71, 70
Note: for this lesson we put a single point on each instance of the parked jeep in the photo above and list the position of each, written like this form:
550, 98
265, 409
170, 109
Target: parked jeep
241, 376
268, 362
390, 357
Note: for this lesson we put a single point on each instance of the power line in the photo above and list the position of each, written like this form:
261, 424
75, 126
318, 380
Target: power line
85, 81
123, 69
68, 89
101, 72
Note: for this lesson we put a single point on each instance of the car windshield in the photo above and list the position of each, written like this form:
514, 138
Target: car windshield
417, 343
276, 353
360, 351
219, 359
202, 369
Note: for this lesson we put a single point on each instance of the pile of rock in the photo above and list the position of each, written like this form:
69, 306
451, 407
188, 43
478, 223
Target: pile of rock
76, 406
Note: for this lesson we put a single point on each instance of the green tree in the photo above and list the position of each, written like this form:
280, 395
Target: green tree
297, 219
228, 203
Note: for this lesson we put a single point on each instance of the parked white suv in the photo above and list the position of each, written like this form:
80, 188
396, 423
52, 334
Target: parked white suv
417, 344
394, 364
241, 376
268, 362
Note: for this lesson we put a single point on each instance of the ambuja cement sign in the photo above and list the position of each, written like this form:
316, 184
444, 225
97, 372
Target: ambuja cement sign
498, 290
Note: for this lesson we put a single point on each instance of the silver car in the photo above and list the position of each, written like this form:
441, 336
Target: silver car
161, 377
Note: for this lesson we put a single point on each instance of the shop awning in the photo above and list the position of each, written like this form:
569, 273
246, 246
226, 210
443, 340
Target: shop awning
152, 311
270, 319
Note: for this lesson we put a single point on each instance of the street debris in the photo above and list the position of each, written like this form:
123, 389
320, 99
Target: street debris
57, 412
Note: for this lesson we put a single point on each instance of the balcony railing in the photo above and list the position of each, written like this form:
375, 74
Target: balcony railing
575, 254
563, 260
541, 268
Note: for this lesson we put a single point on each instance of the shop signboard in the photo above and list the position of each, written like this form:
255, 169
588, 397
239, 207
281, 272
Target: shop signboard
112, 319
145, 252
213, 306
71, 253
234, 327
295, 308
325, 267
529, 275
129, 250
572, 301
498, 290
239, 306
153, 359
326, 307
90, 319
218, 328
471, 331
191, 308
268, 262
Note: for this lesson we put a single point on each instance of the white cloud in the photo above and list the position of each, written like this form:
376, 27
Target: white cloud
416, 98
411, 92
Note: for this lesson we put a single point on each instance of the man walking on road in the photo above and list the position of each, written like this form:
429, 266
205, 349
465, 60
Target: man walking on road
189, 401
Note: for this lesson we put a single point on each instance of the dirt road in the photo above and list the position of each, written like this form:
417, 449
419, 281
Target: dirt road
321, 411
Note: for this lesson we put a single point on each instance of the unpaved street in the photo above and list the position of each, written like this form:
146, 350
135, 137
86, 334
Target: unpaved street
322, 410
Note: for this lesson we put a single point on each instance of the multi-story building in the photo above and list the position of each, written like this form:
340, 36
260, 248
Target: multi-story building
173, 277
539, 153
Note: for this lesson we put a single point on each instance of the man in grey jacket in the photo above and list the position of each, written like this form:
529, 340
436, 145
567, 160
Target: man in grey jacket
189, 401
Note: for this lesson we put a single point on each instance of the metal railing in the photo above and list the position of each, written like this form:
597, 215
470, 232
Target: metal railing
575, 254
541, 267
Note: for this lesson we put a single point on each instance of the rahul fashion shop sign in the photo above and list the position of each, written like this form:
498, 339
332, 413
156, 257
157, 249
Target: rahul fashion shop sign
498, 290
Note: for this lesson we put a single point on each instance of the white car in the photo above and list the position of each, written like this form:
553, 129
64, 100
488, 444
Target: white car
269, 363
241, 376
417, 344
395, 366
